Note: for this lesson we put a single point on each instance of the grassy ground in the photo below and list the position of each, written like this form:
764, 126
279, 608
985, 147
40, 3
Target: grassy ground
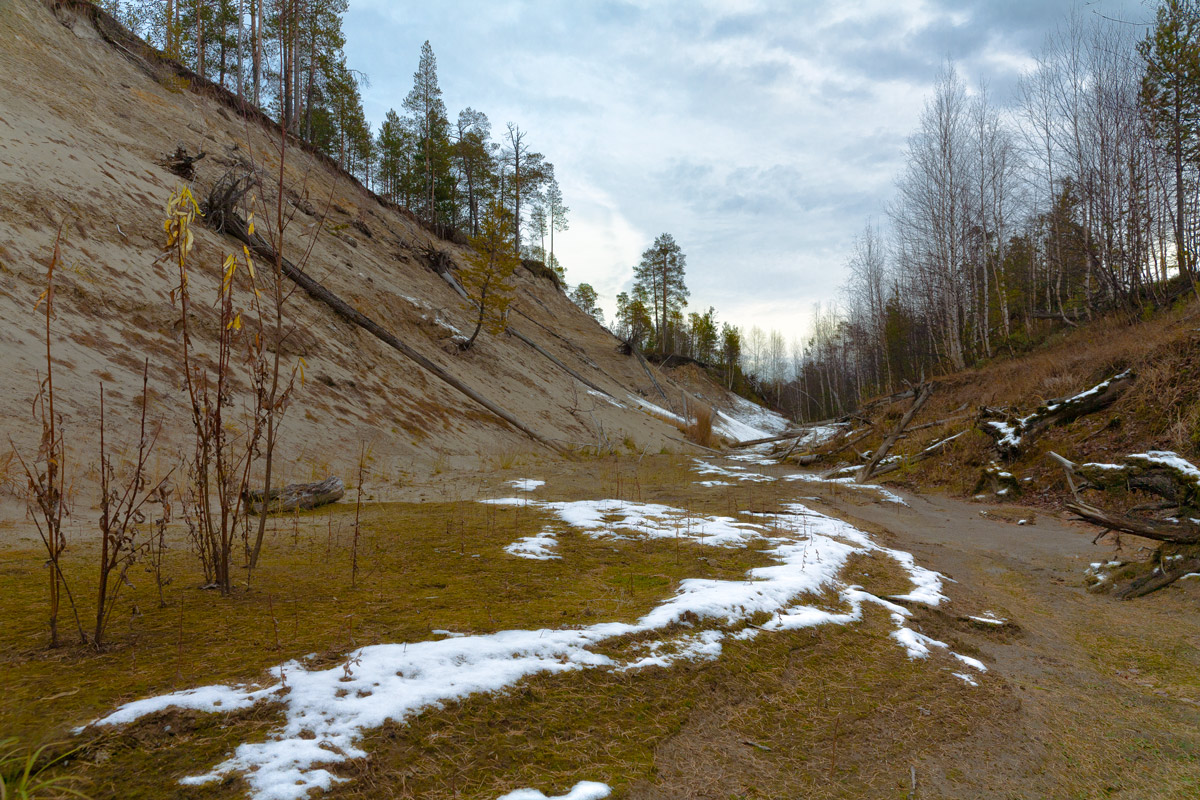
829, 712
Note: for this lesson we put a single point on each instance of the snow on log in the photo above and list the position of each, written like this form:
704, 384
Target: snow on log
1010, 432
298, 496
1158, 472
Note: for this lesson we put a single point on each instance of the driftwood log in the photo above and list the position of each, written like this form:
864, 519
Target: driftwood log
1010, 432
294, 496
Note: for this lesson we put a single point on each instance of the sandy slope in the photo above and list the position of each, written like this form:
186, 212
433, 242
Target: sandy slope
81, 129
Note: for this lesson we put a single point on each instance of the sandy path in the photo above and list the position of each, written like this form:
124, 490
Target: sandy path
1100, 682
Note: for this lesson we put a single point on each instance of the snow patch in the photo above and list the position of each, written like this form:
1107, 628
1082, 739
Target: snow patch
539, 548
584, 790
327, 711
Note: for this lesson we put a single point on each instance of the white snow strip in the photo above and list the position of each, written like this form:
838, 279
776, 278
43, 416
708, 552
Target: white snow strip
755, 416
736, 430
973, 663
327, 711
890, 497
526, 484
848, 481
965, 678
606, 398
988, 620
584, 790
736, 473
539, 548
705, 646
646, 405
1170, 460
917, 644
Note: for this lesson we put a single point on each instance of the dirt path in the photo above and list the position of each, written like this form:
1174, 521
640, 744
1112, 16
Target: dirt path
1107, 690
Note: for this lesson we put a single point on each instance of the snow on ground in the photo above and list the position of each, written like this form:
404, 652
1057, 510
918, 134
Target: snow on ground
526, 484
584, 790
327, 711
763, 420
539, 548
848, 481
606, 398
658, 411
732, 472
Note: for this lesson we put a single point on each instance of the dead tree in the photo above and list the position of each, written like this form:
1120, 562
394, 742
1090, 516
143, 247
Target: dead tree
1010, 432
922, 394
222, 215
1161, 473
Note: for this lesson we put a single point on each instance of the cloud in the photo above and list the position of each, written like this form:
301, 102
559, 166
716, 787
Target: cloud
761, 133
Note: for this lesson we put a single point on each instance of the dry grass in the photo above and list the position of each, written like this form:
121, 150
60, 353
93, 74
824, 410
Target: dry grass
418, 572
1160, 411
700, 427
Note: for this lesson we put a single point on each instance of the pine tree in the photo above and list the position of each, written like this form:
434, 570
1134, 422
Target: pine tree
660, 275
557, 212
526, 172
487, 277
585, 297
428, 119
474, 154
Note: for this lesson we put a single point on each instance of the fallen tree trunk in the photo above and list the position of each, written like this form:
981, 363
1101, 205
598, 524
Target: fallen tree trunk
646, 366
556, 362
928, 452
1010, 432
1159, 579
294, 496
1159, 472
225, 219
923, 392
768, 439
1172, 532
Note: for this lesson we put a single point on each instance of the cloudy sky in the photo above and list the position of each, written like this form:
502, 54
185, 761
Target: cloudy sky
762, 134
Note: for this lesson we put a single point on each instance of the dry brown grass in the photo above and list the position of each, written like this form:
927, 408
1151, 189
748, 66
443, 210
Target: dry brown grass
699, 428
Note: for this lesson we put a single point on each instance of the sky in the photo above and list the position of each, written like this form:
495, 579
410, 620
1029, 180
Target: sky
762, 134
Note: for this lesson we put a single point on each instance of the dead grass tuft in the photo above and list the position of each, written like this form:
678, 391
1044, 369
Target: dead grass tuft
700, 428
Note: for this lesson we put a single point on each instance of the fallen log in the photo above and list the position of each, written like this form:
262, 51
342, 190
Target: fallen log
1158, 579
294, 496
224, 218
512, 331
1010, 432
933, 450
768, 439
1171, 532
1158, 472
922, 394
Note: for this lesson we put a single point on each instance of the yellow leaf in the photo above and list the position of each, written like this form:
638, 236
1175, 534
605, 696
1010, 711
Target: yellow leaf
235, 323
